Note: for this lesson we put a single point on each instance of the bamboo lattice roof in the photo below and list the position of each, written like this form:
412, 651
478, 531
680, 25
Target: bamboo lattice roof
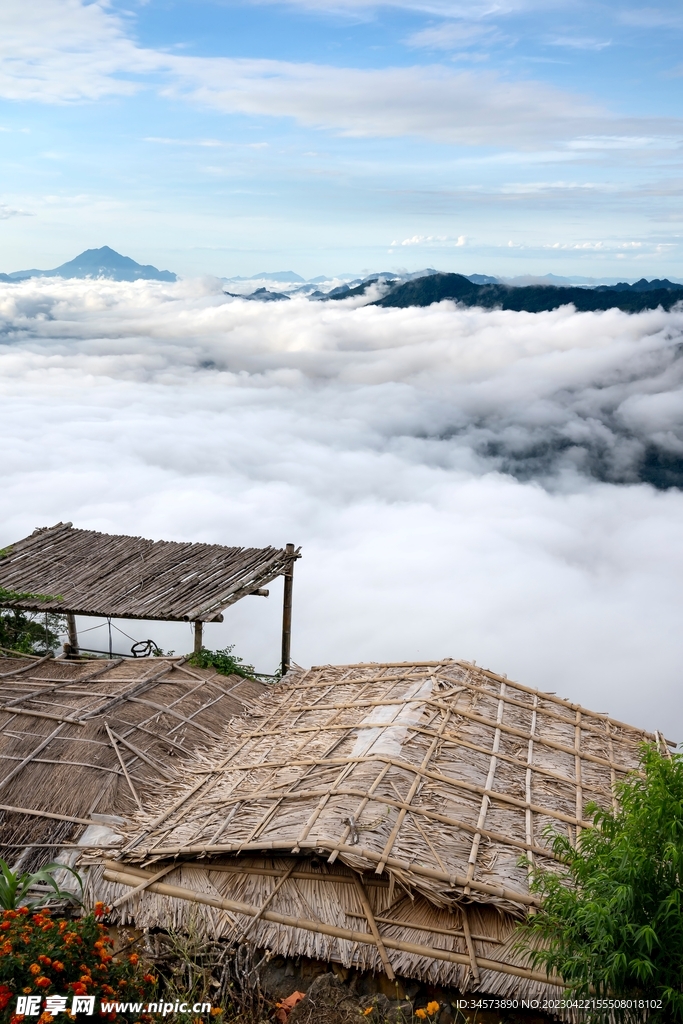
91, 573
440, 773
87, 738
383, 816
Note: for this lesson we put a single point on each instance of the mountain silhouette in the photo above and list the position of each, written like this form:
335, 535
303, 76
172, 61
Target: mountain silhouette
104, 262
532, 298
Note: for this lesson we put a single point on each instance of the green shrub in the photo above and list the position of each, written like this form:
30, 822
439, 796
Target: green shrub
29, 632
224, 662
611, 923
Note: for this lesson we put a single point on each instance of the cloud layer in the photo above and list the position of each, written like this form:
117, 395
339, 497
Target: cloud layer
463, 483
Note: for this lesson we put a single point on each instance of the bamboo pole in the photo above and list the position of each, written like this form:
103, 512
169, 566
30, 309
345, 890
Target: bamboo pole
29, 713
47, 814
269, 898
123, 766
474, 966
26, 668
132, 877
420, 926
485, 800
367, 909
143, 885
453, 880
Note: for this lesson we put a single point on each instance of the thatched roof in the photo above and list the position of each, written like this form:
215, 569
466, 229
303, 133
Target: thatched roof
82, 741
434, 779
91, 573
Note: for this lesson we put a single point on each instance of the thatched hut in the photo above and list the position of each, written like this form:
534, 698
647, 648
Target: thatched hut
381, 816
82, 742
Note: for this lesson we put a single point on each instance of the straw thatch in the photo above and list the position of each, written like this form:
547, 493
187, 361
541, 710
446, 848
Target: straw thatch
384, 816
90, 573
81, 742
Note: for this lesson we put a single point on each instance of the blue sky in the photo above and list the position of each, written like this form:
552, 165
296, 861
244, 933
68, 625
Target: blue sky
227, 138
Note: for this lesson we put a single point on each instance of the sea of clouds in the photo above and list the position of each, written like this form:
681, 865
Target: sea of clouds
497, 486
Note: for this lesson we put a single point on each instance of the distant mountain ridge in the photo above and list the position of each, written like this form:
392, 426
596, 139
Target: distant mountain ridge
104, 262
533, 298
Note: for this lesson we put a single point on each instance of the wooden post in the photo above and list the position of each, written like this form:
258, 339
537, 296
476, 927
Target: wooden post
198, 638
287, 612
73, 634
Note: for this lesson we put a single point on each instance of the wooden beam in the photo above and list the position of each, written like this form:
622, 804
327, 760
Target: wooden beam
198, 636
73, 635
287, 612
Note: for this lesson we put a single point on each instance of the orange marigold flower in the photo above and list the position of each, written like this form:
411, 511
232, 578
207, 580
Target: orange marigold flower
149, 977
34, 969
43, 982
45, 1018
133, 959
48, 927
57, 965
16, 1018
122, 983
42, 959
5, 925
99, 908
85, 979
216, 1011
27, 989
63, 925
23, 910
421, 1013
432, 1007
108, 990
6, 947
38, 919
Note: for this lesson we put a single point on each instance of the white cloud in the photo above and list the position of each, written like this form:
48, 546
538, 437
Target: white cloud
447, 471
60, 51
55, 51
8, 211
451, 35
433, 241
580, 42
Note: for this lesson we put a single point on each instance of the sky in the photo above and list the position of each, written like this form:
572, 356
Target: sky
223, 138
499, 486
463, 483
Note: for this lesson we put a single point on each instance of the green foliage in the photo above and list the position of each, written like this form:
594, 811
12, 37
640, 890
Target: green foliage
611, 923
15, 887
29, 632
43, 956
224, 662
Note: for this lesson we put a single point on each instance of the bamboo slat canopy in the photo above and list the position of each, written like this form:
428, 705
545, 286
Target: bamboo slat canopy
430, 785
79, 740
91, 573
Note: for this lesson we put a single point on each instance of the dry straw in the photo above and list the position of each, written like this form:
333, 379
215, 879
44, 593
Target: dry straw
383, 816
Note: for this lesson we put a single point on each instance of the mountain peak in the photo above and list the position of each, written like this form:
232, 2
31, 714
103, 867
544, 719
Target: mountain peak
104, 262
